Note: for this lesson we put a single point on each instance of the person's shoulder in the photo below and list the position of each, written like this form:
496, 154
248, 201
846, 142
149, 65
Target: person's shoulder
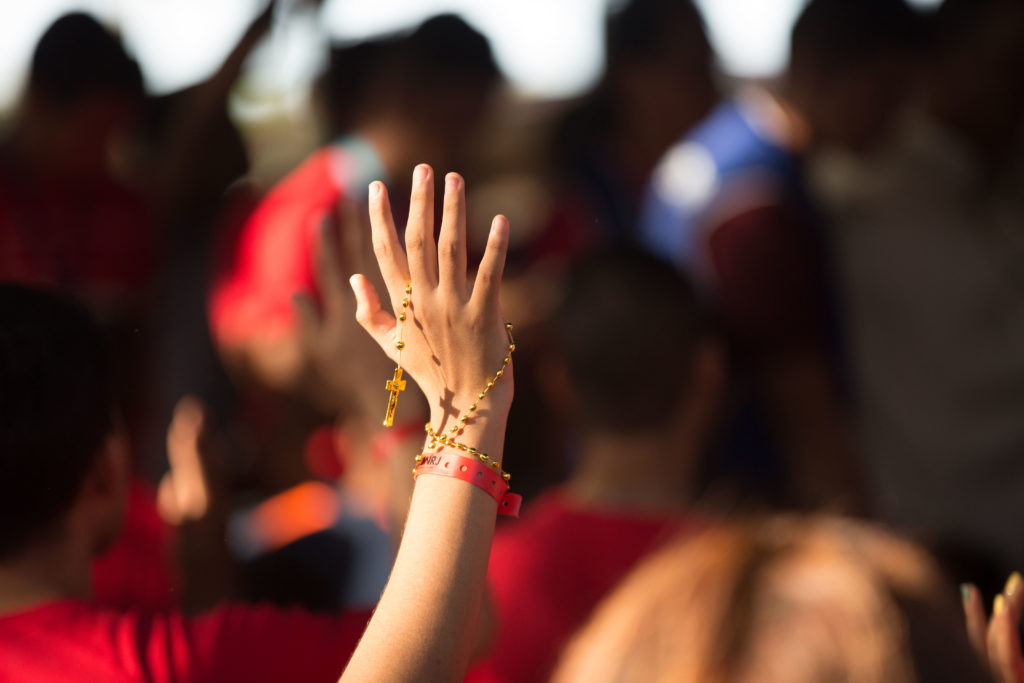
312, 181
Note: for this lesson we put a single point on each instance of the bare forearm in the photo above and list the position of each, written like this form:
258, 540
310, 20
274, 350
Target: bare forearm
425, 624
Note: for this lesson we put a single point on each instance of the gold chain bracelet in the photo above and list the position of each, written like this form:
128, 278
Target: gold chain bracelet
457, 428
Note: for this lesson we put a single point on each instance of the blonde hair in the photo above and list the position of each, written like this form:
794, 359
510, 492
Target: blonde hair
786, 600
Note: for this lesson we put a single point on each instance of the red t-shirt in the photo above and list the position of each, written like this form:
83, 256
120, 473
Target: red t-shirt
87, 234
549, 570
272, 257
74, 640
140, 569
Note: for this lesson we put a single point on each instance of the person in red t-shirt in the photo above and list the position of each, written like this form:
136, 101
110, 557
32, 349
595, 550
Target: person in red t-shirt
63, 473
375, 92
65, 218
63, 480
640, 424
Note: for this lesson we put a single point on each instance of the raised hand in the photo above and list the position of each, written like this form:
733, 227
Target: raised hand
184, 492
425, 626
454, 337
997, 640
342, 365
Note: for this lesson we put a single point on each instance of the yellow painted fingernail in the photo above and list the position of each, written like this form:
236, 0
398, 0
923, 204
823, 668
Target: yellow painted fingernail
999, 606
1012, 583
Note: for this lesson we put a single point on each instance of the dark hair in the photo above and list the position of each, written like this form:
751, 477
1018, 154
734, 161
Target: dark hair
444, 51
837, 35
955, 19
78, 57
626, 331
350, 74
56, 408
642, 28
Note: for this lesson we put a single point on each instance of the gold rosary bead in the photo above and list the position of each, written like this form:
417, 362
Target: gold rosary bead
399, 344
480, 396
419, 459
464, 419
507, 360
405, 303
401, 316
408, 289
498, 374
472, 407
506, 476
490, 385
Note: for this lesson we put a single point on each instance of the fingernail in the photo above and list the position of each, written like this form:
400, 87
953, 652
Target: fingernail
375, 188
421, 173
999, 606
965, 592
1012, 583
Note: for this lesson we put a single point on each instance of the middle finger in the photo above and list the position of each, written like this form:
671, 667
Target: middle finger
419, 231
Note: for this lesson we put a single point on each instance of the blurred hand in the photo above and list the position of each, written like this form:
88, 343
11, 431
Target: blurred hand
343, 367
454, 336
184, 492
997, 640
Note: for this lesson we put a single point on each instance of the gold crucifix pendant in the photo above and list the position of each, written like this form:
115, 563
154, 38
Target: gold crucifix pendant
394, 385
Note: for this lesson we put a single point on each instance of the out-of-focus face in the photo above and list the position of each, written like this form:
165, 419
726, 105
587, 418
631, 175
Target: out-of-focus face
87, 129
448, 122
856, 109
986, 69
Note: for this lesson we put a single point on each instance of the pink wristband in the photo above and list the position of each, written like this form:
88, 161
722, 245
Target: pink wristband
476, 473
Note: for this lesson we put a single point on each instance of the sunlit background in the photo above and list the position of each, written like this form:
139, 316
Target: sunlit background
546, 48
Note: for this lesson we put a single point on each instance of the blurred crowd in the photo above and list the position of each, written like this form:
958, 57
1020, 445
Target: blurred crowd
732, 301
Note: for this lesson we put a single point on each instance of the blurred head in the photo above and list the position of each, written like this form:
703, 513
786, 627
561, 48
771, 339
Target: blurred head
83, 87
787, 600
61, 467
977, 55
433, 85
660, 63
851, 66
631, 344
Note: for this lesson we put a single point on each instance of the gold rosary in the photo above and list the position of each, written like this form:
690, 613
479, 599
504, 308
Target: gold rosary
396, 383
448, 440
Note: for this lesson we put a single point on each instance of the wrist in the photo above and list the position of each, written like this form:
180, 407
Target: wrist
484, 431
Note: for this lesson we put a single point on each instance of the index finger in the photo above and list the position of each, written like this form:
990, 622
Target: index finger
391, 259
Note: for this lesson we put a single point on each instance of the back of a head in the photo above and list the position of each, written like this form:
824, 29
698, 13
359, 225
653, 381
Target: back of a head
77, 58
835, 36
443, 55
650, 28
786, 600
626, 333
977, 54
55, 410
445, 49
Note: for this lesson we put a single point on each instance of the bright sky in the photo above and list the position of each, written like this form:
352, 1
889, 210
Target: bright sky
546, 47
